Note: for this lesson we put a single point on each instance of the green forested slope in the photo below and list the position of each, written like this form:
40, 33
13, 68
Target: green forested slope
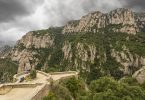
7, 70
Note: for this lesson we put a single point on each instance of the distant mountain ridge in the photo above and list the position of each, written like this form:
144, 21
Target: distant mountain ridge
10, 43
6, 47
130, 22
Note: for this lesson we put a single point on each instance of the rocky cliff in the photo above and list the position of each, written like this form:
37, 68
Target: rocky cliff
130, 22
25, 49
96, 45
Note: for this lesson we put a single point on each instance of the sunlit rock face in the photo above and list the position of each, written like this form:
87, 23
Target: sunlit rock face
140, 21
24, 50
128, 20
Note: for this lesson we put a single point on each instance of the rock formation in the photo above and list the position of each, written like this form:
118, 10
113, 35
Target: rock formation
112, 43
130, 22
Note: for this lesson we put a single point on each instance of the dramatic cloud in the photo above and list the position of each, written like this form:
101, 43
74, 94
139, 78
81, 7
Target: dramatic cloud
11, 9
20, 16
137, 5
61, 11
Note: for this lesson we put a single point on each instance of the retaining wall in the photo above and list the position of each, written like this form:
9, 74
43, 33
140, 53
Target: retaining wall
42, 93
5, 89
59, 73
43, 73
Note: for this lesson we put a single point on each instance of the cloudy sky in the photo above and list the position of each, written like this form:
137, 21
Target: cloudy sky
20, 16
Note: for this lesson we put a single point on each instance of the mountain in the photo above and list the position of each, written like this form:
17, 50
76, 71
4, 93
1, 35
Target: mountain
94, 21
9, 43
7, 67
98, 44
7, 70
5, 48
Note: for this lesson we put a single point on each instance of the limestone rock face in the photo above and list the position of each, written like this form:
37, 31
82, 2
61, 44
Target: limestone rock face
84, 53
66, 49
139, 75
30, 40
140, 21
93, 21
121, 16
131, 62
128, 60
24, 59
25, 50
84, 24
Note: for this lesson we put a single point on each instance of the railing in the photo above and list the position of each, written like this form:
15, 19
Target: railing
68, 72
43, 73
40, 94
22, 85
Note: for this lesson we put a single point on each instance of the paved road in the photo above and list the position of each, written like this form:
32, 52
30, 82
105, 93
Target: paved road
19, 78
21, 93
28, 93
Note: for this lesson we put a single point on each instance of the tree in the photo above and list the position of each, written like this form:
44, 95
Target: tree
33, 74
106, 88
50, 96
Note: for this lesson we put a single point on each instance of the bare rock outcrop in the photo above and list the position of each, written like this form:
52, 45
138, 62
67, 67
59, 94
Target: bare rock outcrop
24, 51
140, 21
93, 21
35, 40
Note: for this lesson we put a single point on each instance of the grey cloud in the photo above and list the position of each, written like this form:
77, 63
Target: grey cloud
11, 9
137, 5
63, 11
20, 16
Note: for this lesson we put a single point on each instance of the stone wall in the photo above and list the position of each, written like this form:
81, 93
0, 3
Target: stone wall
43, 92
68, 72
43, 73
5, 89
96, 20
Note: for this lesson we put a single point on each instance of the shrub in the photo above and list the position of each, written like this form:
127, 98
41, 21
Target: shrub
8, 69
107, 88
58, 92
50, 96
75, 86
33, 74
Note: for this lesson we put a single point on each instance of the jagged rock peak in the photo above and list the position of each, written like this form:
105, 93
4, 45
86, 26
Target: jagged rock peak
121, 16
31, 39
93, 21
140, 21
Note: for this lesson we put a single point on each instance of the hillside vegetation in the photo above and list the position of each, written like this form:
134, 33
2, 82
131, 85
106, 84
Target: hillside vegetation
7, 70
104, 88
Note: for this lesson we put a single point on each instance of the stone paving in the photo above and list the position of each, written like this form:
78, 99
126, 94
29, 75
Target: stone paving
27, 93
